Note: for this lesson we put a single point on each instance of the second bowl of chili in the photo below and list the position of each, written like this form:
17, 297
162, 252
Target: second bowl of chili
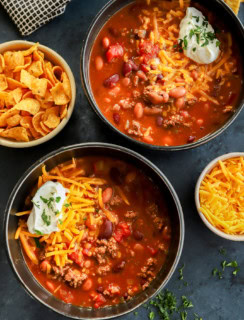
121, 250
139, 81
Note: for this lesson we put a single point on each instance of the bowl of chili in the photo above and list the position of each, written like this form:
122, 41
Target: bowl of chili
127, 78
141, 194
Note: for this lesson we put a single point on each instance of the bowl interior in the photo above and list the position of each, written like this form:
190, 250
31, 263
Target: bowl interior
23, 188
217, 6
56, 59
207, 169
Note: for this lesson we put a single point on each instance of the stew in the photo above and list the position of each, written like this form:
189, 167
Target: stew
113, 236
146, 86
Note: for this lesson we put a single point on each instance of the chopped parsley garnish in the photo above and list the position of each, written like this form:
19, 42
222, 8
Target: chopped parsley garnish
186, 303
194, 49
183, 315
56, 213
39, 233
48, 202
35, 204
181, 277
46, 219
44, 199
38, 245
67, 205
185, 43
60, 221
58, 199
197, 18
222, 251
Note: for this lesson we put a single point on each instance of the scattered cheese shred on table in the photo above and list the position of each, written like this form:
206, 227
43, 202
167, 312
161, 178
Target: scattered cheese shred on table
222, 196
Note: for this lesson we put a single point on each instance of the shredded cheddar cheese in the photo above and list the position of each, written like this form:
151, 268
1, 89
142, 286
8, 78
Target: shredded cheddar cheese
222, 196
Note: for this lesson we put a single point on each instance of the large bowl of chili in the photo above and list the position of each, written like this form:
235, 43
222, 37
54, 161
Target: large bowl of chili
137, 116
24, 269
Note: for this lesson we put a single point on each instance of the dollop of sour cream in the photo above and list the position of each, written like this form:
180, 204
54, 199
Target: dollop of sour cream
197, 37
47, 208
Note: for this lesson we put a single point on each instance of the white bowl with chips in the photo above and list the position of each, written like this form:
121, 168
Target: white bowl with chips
207, 170
57, 60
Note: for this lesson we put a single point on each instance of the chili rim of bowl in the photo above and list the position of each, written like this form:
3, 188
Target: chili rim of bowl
85, 79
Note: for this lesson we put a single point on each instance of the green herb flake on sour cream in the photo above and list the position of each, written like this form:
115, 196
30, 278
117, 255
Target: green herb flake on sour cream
45, 217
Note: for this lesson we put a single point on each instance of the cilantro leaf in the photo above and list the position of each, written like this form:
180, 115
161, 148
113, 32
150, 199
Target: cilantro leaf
38, 232
57, 199
46, 219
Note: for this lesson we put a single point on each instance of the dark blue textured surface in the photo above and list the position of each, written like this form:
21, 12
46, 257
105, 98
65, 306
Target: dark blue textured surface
213, 299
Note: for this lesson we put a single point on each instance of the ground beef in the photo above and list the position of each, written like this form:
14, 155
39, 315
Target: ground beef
58, 272
104, 247
131, 214
112, 290
42, 255
135, 129
147, 272
103, 270
74, 277
161, 247
116, 200
99, 254
174, 120
152, 210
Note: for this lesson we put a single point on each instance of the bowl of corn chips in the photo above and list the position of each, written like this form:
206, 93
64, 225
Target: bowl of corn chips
37, 94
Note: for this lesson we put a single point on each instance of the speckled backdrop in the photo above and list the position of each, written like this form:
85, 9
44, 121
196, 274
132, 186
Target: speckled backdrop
213, 299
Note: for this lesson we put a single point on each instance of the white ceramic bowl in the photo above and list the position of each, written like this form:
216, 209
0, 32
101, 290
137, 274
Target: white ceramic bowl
208, 168
56, 59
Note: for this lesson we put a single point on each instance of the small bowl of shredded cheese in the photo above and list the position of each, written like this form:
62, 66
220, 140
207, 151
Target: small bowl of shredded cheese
219, 196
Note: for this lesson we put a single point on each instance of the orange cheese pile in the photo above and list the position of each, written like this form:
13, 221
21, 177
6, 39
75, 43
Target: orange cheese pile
78, 210
222, 196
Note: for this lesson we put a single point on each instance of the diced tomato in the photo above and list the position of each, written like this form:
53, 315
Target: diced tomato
99, 301
152, 250
66, 295
114, 51
148, 50
122, 231
77, 257
86, 252
144, 68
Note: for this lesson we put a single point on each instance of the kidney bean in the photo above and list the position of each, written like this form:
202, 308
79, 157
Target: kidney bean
138, 235
138, 247
127, 69
194, 74
111, 81
126, 81
177, 92
107, 194
116, 175
191, 139
141, 75
159, 77
180, 102
100, 289
87, 285
144, 68
116, 118
105, 42
113, 92
148, 139
156, 98
138, 110
50, 285
119, 266
152, 111
114, 32
134, 66
99, 63
44, 266
199, 122
106, 230
159, 121
167, 141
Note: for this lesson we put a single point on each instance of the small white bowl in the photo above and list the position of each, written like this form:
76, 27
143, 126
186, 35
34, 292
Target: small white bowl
207, 169
56, 59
